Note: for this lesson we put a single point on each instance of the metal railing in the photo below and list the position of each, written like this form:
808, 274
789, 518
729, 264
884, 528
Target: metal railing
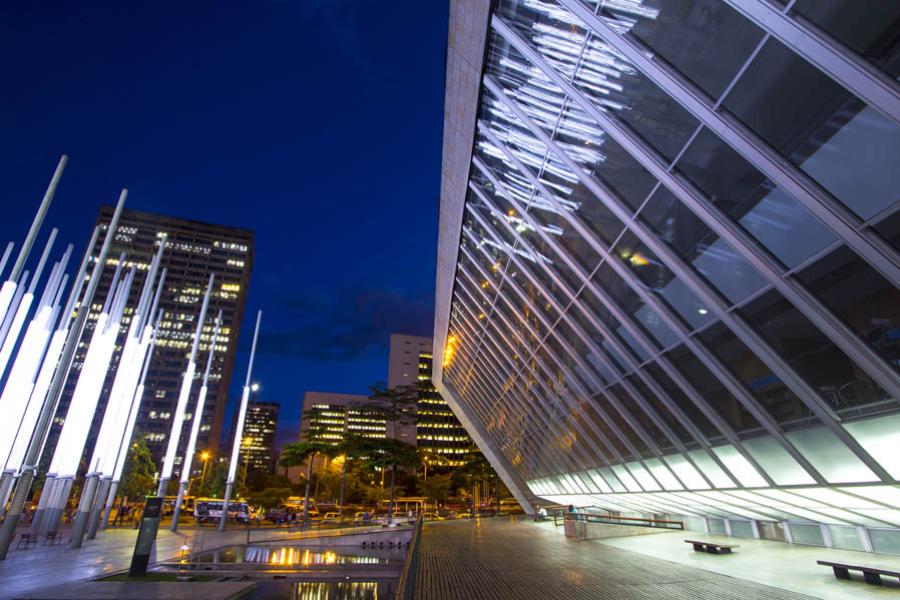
587, 517
406, 588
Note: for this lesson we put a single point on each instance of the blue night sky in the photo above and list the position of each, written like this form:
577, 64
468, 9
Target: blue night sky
315, 123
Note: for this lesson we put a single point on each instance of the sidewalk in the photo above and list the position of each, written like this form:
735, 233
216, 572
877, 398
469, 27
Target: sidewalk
25, 571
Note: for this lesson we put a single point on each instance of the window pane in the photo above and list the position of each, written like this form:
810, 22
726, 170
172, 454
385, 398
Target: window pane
720, 399
779, 401
682, 401
763, 210
866, 301
868, 27
693, 241
846, 146
706, 40
812, 355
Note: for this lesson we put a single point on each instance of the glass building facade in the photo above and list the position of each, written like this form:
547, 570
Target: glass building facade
668, 259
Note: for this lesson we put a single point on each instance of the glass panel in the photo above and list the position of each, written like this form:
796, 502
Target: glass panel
661, 411
717, 526
881, 438
775, 397
811, 354
807, 534
819, 126
690, 238
869, 27
830, 456
742, 529
866, 301
776, 461
711, 469
706, 40
695, 524
763, 210
885, 540
676, 395
746, 473
659, 280
719, 398
845, 537
889, 228
686, 472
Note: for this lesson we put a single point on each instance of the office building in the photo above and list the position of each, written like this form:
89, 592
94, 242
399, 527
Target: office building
193, 251
330, 417
258, 445
668, 259
437, 430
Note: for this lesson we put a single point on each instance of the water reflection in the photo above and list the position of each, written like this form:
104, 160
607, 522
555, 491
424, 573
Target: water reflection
321, 590
303, 556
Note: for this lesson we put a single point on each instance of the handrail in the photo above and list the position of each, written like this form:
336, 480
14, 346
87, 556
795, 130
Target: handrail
615, 520
406, 588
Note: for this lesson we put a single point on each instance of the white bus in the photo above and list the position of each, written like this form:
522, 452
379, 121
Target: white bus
210, 509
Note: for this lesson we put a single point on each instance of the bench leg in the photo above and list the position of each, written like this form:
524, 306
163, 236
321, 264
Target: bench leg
873, 578
699, 548
726, 550
841, 573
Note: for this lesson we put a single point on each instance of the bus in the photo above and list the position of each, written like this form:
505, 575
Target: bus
168, 507
210, 509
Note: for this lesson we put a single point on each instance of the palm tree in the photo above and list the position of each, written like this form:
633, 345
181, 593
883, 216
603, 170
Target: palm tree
296, 454
389, 453
352, 447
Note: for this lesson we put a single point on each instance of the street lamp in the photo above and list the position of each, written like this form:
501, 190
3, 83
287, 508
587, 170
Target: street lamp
204, 456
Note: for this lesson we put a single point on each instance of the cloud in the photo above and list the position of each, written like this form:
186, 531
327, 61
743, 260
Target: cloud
346, 323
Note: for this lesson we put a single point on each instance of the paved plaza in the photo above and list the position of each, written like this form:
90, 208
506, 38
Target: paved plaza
502, 559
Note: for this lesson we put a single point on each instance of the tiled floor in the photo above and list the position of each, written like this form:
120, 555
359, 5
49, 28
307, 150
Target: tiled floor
504, 559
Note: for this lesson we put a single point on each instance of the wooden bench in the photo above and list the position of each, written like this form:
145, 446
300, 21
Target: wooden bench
712, 547
871, 574
53, 538
28, 539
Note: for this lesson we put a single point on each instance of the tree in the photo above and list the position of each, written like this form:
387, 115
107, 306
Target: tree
140, 469
270, 497
397, 405
476, 469
436, 488
427, 457
390, 453
298, 453
351, 448
213, 486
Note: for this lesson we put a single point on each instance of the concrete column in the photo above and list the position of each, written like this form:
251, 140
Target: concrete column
110, 500
6, 483
57, 504
177, 511
84, 509
47, 492
97, 506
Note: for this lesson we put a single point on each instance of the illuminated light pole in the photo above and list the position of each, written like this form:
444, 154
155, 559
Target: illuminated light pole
124, 443
5, 258
39, 394
39, 438
20, 414
183, 395
9, 286
195, 426
11, 335
121, 394
77, 425
239, 428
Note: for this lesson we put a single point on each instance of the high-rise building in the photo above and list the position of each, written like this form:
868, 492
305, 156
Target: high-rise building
330, 417
668, 261
193, 251
437, 430
258, 443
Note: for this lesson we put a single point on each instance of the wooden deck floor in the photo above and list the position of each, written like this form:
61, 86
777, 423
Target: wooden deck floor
501, 559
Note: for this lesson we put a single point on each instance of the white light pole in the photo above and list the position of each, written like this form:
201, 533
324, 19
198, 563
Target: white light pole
39, 438
184, 394
9, 286
239, 429
195, 425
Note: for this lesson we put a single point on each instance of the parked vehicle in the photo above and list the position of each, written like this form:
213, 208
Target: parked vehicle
210, 509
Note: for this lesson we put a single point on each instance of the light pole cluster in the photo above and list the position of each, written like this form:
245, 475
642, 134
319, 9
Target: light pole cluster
40, 334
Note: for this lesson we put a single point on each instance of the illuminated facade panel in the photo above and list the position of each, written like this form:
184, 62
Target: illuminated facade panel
668, 259
258, 444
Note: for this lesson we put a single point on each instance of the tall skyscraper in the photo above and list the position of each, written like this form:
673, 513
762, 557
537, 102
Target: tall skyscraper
258, 446
437, 430
193, 251
668, 261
